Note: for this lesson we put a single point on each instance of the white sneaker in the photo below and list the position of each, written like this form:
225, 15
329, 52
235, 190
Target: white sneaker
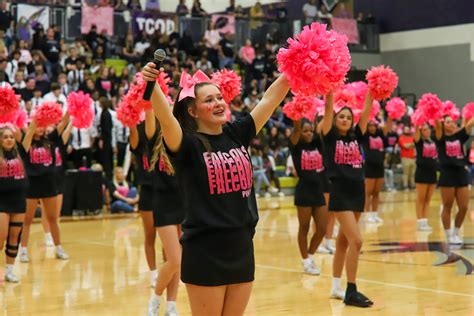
378, 219
11, 278
371, 219
338, 294
24, 257
171, 312
322, 249
329, 245
268, 195
281, 194
62, 255
311, 269
455, 240
153, 307
272, 190
424, 227
48, 240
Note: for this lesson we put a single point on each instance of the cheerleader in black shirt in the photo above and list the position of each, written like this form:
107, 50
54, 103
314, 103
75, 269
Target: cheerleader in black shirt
306, 152
453, 180
40, 165
425, 174
13, 184
347, 197
215, 175
374, 151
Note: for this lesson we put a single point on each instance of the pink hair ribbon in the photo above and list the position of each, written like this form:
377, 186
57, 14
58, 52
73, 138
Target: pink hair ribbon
188, 82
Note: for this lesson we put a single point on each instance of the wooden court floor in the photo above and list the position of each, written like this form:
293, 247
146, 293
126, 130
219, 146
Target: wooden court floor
403, 271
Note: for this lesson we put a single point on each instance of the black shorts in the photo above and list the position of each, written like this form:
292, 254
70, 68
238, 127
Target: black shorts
374, 170
425, 175
13, 201
146, 198
347, 195
168, 208
40, 187
456, 177
309, 193
219, 257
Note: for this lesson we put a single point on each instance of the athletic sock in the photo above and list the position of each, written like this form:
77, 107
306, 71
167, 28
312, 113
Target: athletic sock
456, 231
170, 306
336, 283
154, 273
59, 249
307, 261
447, 232
9, 269
156, 298
23, 250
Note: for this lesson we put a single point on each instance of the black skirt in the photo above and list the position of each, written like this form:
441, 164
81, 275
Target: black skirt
13, 201
146, 198
40, 187
347, 195
219, 257
308, 193
168, 208
326, 182
374, 170
425, 175
60, 181
456, 177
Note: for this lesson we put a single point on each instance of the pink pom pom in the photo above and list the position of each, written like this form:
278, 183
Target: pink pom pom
345, 96
316, 61
9, 101
80, 109
431, 106
48, 113
229, 83
316, 109
21, 119
375, 110
450, 109
382, 81
468, 111
396, 108
418, 118
129, 115
297, 108
137, 89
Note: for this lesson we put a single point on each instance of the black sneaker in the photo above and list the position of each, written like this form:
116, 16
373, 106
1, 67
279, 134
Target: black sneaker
357, 299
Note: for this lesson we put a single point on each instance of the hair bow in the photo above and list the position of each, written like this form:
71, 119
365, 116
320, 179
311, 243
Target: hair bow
8, 125
188, 82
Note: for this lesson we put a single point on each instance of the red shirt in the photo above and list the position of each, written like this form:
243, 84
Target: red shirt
404, 152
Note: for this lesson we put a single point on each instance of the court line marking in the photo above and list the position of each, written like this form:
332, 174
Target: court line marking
373, 282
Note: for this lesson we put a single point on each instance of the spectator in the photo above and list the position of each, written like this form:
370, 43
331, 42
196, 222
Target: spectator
55, 95
240, 12
123, 198
12, 65
231, 8
252, 100
134, 5
25, 55
182, 9
310, 12
256, 15
6, 18
290, 168
27, 93
103, 84
19, 82
122, 134
75, 77
204, 64
247, 53
407, 154
50, 49
37, 99
42, 79
107, 142
141, 45
120, 6
91, 37
3, 73
270, 170
80, 147
342, 12
324, 16
3, 50
226, 52
259, 174
197, 10
212, 39
63, 85
128, 50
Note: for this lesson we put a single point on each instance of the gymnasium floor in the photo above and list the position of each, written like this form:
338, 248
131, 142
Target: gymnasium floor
107, 273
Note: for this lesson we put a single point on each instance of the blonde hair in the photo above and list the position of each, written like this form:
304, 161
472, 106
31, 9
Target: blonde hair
159, 152
15, 152
115, 182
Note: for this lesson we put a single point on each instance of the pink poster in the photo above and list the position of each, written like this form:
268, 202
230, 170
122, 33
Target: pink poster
224, 23
347, 27
102, 17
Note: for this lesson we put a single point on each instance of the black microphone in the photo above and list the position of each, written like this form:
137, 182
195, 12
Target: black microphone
158, 58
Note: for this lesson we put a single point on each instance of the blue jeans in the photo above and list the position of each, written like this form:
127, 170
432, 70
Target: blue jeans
259, 176
122, 206
226, 61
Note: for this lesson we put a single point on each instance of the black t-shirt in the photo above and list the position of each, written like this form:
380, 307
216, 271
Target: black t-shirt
60, 152
12, 172
26, 94
373, 146
343, 155
450, 149
308, 160
227, 48
5, 19
217, 185
392, 139
258, 67
426, 154
143, 155
41, 158
50, 49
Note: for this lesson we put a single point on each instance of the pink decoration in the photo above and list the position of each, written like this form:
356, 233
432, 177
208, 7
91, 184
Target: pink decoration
375, 110
129, 115
48, 113
80, 109
18, 118
229, 83
8, 125
316, 61
316, 109
188, 82
297, 108
396, 108
468, 111
450, 109
418, 118
431, 106
382, 81
9, 101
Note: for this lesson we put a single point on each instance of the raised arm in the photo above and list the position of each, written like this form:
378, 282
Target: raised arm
364, 117
67, 133
417, 134
296, 133
438, 129
30, 132
387, 126
134, 138
63, 123
170, 127
469, 125
326, 123
150, 124
270, 101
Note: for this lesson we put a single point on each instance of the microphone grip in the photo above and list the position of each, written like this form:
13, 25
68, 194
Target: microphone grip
150, 85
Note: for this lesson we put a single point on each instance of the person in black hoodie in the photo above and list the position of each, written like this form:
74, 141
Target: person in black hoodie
105, 146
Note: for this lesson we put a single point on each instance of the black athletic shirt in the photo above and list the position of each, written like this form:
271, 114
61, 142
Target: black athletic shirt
450, 149
426, 154
12, 172
161, 180
143, 154
217, 185
41, 158
343, 155
374, 147
308, 159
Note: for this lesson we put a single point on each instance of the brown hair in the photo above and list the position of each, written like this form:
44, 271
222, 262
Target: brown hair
159, 152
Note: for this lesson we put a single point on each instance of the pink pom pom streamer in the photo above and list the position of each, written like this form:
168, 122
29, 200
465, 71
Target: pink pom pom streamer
129, 115
316, 109
316, 61
48, 113
468, 111
418, 118
229, 83
382, 81
297, 108
18, 118
396, 108
137, 89
9, 101
431, 106
80, 109
450, 109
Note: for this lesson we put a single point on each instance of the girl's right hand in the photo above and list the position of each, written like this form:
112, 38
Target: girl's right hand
150, 73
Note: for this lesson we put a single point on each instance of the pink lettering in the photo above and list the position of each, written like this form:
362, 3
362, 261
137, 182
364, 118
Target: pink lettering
40, 156
429, 151
311, 160
146, 163
12, 168
453, 149
376, 143
59, 159
348, 154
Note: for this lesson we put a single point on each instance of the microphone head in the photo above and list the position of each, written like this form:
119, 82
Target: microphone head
159, 55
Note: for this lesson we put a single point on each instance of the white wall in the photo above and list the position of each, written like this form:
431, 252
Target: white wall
209, 5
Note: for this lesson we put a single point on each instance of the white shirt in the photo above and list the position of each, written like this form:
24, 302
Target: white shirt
212, 38
19, 85
122, 133
86, 136
75, 78
36, 102
310, 11
52, 98
140, 47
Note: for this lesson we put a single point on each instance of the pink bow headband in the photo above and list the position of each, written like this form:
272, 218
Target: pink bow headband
188, 82
8, 125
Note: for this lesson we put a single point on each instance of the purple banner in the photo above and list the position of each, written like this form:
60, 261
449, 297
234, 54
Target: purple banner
152, 22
